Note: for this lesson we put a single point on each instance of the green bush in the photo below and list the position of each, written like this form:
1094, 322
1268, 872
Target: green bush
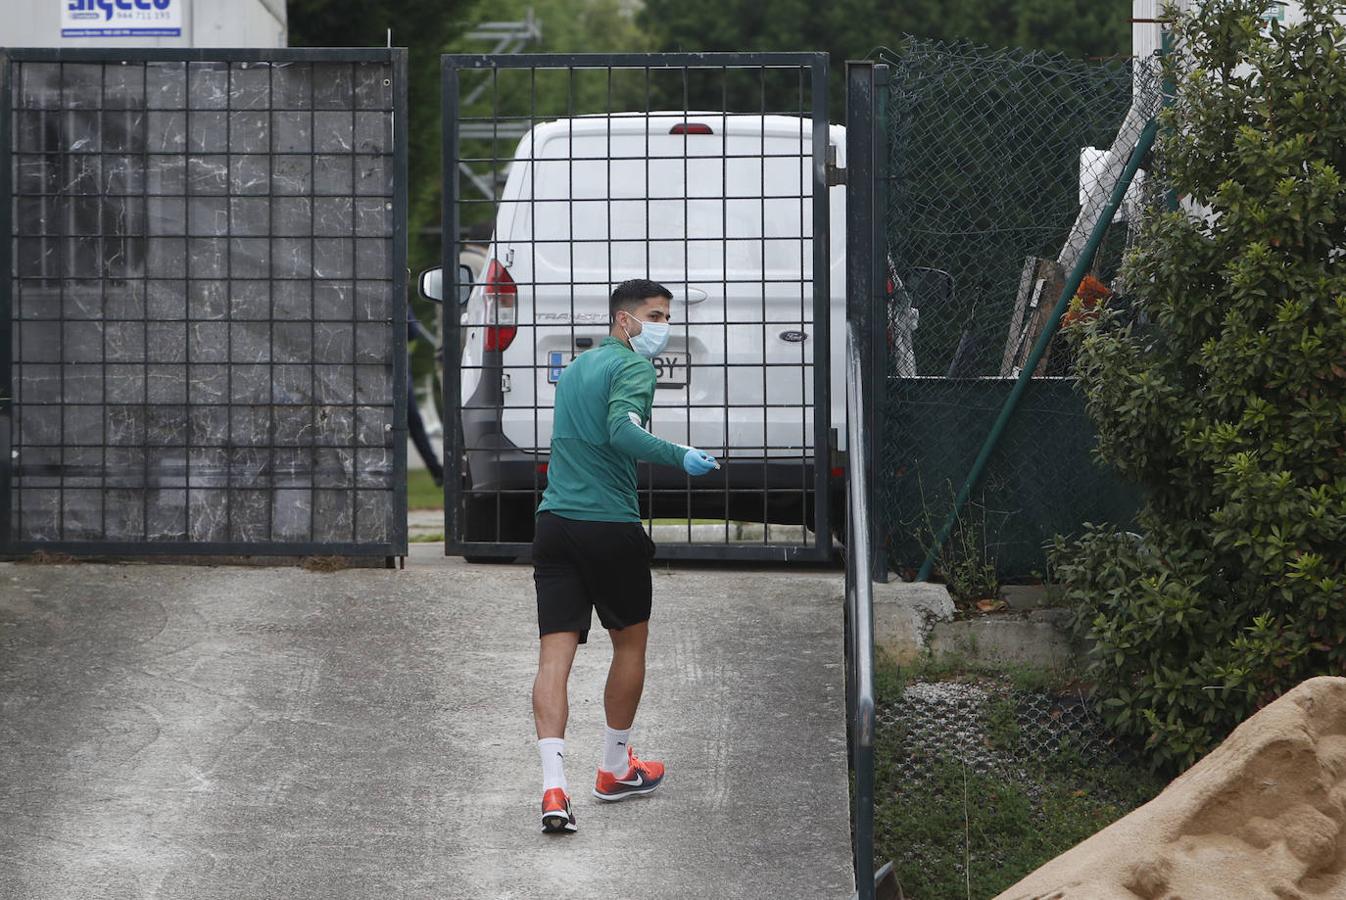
1223, 392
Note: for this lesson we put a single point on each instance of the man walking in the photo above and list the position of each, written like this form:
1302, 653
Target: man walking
590, 550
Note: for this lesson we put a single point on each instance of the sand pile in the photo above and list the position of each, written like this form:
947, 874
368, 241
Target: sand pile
1260, 817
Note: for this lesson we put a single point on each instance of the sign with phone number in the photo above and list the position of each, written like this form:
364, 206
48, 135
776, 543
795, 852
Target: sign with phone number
121, 18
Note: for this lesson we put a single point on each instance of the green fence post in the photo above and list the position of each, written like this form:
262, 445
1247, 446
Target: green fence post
1169, 90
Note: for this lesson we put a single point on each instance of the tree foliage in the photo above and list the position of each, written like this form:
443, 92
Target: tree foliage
847, 29
567, 26
851, 29
1225, 395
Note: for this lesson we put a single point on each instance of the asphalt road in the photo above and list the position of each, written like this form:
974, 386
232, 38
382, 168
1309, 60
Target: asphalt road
263, 732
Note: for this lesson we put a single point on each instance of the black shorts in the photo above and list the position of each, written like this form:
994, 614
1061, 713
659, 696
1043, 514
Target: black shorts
582, 566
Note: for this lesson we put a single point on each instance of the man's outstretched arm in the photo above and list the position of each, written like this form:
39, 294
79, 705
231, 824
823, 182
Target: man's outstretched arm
632, 389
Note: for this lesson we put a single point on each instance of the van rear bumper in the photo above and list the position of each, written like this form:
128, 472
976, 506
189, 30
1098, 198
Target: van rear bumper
750, 490
514, 470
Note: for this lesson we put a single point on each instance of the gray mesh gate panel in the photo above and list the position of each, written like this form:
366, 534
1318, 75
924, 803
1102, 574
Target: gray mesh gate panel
203, 291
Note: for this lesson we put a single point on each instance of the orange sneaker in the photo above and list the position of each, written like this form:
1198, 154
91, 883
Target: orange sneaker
641, 777
556, 814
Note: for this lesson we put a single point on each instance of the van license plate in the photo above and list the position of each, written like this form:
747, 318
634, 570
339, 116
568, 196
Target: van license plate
670, 370
556, 363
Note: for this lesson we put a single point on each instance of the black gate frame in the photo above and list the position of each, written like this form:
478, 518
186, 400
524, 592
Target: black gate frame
396, 545
867, 270
455, 490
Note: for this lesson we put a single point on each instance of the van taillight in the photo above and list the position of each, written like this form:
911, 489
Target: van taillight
690, 128
501, 296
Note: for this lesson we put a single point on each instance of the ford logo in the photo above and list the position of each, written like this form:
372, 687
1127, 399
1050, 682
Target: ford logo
794, 337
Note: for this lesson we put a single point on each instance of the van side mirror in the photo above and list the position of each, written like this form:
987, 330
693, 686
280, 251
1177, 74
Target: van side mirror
431, 284
464, 283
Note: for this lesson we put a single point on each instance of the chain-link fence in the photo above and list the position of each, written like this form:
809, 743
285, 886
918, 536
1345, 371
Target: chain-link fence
993, 728
998, 164
981, 780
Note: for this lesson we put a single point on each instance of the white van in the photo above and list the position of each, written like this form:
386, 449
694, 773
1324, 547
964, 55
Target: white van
718, 208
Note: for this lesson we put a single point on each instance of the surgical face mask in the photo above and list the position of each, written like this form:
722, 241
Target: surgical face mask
650, 340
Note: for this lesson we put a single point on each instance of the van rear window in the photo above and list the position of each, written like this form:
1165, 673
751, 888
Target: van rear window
616, 208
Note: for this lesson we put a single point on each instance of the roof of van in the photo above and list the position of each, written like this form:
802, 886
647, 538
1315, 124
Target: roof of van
661, 122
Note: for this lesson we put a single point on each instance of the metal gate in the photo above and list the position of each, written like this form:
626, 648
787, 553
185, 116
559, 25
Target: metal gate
202, 301
707, 173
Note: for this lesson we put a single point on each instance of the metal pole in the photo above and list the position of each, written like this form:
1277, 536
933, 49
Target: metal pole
449, 326
401, 362
860, 595
878, 333
1143, 144
7, 318
822, 303
866, 326
864, 259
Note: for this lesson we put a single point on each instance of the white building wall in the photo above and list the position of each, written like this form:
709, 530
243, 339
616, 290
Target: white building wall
204, 23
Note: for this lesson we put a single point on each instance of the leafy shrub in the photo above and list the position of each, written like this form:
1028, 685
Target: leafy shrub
1223, 391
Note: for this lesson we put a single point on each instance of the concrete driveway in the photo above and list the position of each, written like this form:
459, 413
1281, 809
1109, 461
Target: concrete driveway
246, 732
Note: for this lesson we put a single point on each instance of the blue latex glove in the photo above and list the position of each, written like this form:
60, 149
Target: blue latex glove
698, 462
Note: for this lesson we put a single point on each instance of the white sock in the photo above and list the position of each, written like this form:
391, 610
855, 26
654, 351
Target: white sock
552, 751
614, 750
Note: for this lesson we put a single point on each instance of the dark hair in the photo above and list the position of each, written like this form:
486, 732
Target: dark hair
631, 295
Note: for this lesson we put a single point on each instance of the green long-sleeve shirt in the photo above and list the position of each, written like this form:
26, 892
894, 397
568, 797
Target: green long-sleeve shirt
603, 404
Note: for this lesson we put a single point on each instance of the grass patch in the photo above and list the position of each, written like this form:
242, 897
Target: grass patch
961, 834
422, 492
961, 830
890, 679
433, 538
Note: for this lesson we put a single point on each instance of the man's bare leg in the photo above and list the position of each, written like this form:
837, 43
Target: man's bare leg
621, 698
551, 709
626, 675
551, 706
